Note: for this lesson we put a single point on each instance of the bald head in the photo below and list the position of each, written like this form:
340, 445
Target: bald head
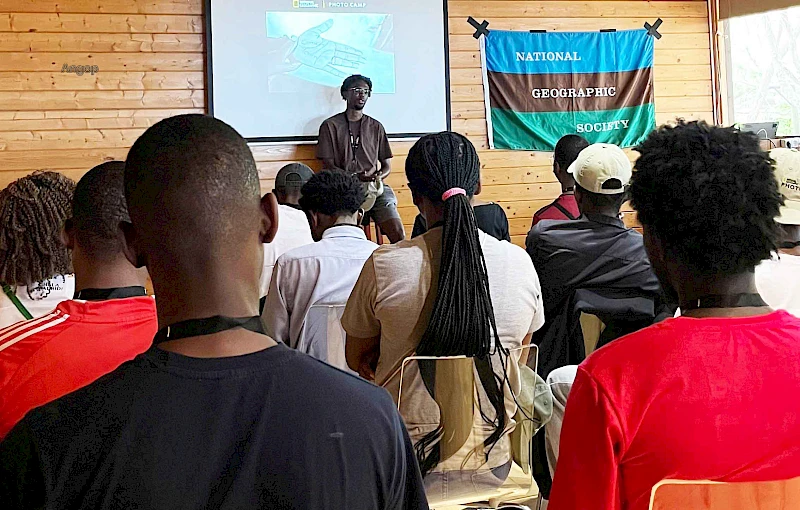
192, 172
197, 219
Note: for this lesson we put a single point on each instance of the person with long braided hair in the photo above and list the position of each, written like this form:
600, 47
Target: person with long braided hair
35, 266
452, 291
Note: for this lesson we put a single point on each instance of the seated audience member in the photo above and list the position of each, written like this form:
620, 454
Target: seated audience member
595, 252
452, 291
702, 396
110, 321
293, 228
592, 265
322, 273
565, 207
490, 218
778, 278
215, 414
289, 183
35, 269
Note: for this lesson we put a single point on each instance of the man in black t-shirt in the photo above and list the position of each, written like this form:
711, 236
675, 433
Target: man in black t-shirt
357, 143
215, 414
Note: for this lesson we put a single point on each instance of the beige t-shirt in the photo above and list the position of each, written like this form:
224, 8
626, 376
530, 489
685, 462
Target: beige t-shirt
393, 299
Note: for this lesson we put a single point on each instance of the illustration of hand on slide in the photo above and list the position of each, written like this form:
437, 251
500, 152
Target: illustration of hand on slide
315, 51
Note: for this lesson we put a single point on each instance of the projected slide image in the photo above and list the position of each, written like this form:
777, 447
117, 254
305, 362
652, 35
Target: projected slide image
325, 48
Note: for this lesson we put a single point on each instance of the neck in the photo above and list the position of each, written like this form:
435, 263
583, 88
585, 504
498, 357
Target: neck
690, 289
354, 115
611, 212
209, 284
567, 186
291, 200
207, 287
347, 219
96, 274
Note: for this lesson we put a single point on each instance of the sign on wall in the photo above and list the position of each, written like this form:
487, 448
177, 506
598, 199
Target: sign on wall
542, 86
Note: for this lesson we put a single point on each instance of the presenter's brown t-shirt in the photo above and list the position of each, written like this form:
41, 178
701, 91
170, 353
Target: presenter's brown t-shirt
334, 143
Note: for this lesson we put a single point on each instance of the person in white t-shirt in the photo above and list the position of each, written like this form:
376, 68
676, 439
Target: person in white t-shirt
322, 273
778, 279
35, 267
452, 291
293, 230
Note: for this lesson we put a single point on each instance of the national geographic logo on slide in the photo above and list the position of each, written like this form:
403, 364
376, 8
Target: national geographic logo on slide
305, 4
79, 70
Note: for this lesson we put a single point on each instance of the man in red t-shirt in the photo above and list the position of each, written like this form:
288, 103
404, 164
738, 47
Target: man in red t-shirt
564, 207
110, 321
706, 396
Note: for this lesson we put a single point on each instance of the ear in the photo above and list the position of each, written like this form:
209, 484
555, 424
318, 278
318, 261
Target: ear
269, 218
67, 234
478, 188
129, 244
417, 199
360, 216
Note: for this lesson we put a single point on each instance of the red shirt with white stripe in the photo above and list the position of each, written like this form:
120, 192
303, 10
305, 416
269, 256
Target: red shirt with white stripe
45, 358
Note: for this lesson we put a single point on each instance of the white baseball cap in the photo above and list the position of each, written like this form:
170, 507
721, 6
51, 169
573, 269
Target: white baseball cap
599, 163
787, 172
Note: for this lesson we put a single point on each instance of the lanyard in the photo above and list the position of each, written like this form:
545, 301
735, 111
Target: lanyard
355, 141
719, 301
207, 326
12, 295
113, 293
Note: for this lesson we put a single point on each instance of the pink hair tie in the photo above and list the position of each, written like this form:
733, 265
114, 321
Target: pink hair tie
453, 192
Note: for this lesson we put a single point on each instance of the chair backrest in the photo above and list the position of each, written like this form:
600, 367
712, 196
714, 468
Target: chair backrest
454, 388
323, 335
592, 327
706, 495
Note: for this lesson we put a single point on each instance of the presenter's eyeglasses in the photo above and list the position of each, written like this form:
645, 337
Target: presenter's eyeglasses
360, 91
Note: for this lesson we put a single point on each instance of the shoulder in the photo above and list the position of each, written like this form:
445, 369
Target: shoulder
632, 350
492, 209
547, 229
332, 121
20, 342
94, 409
317, 381
544, 209
295, 255
374, 123
293, 214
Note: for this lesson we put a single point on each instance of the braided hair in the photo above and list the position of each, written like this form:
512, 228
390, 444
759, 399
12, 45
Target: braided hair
32, 212
441, 167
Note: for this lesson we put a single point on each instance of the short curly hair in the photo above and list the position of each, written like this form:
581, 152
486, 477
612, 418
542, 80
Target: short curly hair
709, 193
332, 191
352, 80
98, 208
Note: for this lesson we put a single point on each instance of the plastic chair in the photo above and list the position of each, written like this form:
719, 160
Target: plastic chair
707, 495
456, 395
323, 335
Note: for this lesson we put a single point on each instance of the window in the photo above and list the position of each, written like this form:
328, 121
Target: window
764, 66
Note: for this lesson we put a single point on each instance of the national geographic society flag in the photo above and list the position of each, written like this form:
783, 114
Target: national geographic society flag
542, 86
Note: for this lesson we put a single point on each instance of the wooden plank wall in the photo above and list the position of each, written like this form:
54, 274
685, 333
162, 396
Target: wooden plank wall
150, 56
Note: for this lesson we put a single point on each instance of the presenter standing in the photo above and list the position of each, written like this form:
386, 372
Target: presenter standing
357, 143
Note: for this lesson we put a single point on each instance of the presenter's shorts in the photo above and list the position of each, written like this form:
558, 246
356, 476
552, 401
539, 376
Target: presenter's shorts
385, 207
